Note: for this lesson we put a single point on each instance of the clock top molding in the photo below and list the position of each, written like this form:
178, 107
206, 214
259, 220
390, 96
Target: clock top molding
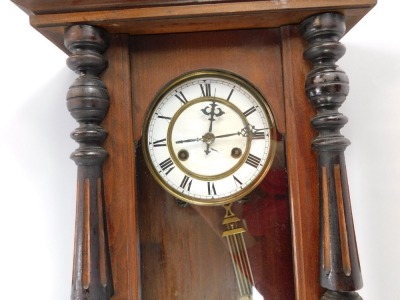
51, 17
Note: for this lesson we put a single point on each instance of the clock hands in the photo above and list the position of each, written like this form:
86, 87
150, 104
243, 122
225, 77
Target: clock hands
209, 138
213, 111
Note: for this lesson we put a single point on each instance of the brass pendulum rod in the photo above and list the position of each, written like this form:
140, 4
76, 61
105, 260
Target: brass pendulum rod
238, 251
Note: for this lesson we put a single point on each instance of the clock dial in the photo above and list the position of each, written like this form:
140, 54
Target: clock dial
209, 137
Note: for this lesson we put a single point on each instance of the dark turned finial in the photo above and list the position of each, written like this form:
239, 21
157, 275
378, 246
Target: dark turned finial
87, 98
87, 44
327, 87
88, 101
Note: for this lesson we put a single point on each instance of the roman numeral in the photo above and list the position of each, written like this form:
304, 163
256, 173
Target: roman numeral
163, 117
181, 97
206, 89
160, 143
249, 111
211, 188
253, 160
230, 94
167, 165
258, 134
186, 183
237, 181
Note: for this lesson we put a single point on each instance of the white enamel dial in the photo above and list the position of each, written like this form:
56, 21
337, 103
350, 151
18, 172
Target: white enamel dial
209, 138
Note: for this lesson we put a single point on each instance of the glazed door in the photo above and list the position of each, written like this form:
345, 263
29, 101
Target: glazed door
183, 253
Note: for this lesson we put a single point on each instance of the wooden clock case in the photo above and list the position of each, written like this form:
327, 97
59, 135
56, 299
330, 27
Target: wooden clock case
125, 52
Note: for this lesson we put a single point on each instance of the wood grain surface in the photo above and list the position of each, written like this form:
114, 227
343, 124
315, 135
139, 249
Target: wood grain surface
119, 172
302, 166
148, 17
252, 54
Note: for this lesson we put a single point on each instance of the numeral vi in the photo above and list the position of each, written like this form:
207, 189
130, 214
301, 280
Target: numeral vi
211, 188
186, 183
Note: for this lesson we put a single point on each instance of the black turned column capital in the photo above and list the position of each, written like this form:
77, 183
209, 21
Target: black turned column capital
327, 87
88, 101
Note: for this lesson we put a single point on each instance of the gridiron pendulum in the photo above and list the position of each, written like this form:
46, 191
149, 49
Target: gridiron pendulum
238, 252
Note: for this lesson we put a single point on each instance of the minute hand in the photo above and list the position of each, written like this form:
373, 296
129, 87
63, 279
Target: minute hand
227, 135
188, 141
202, 139
244, 132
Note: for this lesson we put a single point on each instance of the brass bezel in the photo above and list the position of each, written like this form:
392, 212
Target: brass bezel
226, 75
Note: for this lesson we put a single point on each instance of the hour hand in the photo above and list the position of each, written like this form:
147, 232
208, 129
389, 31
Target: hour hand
213, 110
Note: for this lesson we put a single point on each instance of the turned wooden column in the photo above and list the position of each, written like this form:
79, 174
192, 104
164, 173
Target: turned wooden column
88, 102
327, 87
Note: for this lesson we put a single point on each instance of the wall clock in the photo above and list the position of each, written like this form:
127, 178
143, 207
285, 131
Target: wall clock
215, 97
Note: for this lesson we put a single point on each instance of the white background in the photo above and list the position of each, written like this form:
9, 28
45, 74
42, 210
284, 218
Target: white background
37, 179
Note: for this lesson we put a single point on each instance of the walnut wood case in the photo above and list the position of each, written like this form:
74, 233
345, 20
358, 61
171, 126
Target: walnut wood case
133, 240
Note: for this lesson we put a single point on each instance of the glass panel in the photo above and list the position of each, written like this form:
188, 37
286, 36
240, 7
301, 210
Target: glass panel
188, 253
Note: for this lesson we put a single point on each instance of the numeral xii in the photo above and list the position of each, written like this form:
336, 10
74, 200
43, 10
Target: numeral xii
205, 89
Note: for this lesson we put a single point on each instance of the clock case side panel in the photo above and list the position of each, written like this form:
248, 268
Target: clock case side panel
119, 172
302, 166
